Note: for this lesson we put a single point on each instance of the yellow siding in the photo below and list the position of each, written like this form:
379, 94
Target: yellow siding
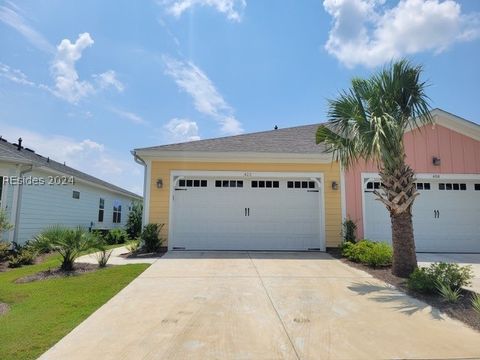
159, 198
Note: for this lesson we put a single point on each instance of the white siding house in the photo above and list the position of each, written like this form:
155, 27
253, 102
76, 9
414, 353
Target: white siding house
68, 197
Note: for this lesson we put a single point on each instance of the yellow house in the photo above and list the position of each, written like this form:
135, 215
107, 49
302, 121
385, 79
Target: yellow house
272, 190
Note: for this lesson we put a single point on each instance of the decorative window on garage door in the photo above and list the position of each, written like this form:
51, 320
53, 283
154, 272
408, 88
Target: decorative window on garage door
373, 185
301, 185
184, 183
423, 185
229, 183
452, 186
265, 184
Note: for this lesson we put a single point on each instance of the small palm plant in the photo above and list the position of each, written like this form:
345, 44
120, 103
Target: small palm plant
448, 294
368, 122
103, 255
69, 243
476, 303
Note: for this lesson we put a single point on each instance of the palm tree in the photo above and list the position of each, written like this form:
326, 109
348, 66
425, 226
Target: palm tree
368, 122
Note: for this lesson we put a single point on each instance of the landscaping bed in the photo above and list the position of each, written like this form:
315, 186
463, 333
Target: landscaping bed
461, 310
80, 268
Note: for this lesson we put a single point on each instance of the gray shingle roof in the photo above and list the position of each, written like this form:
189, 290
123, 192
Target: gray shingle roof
10, 152
296, 140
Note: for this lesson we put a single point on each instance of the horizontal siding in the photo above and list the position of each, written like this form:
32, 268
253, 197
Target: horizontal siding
46, 205
459, 154
159, 198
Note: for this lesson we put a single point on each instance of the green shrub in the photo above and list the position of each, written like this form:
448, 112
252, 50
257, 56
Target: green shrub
476, 303
25, 255
69, 243
368, 252
116, 236
4, 249
134, 221
426, 279
103, 256
349, 229
422, 281
133, 245
4, 223
380, 254
151, 240
448, 294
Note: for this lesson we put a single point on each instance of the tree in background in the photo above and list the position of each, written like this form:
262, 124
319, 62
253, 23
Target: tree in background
134, 221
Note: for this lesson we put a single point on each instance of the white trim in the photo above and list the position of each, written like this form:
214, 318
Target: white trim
433, 176
245, 174
323, 234
343, 196
13, 211
319, 177
454, 123
146, 192
170, 211
4, 194
362, 181
252, 157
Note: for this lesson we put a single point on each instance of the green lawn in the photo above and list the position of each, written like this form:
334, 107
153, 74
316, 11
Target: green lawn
42, 312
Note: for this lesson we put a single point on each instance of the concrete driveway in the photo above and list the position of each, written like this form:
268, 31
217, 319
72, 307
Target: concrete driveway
425, 259
218, 305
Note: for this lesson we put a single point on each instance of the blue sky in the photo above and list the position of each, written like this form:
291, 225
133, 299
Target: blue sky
87, 81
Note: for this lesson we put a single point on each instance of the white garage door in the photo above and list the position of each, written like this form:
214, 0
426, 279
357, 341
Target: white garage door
446, 215
235, 213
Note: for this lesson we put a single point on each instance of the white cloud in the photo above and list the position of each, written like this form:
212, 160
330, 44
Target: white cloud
15, 75
365, 32
85, 155
233, 9
68, 85
107, 79
10, 15
181, 130
206, 98
130, 116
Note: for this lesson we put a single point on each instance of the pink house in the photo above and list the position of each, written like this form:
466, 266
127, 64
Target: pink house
446, 215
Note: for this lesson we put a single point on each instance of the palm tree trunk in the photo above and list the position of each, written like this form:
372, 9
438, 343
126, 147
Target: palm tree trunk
398, 195
404, 256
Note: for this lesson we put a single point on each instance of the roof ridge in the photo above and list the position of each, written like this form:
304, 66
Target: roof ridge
228, 136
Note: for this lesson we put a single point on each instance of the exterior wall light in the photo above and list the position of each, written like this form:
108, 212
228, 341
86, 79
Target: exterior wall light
436, 161
159, 183
334, 185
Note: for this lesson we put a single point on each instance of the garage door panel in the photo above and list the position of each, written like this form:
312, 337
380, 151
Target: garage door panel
253, 217
446, 217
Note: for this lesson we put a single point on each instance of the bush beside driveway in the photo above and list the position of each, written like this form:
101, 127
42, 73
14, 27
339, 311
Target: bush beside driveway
425, 259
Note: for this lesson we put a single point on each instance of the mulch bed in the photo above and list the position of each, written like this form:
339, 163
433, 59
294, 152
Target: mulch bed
38, 260
3, 265
80, 268
462, 310
4, 308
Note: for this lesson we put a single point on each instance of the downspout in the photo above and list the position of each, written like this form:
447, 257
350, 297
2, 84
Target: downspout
19, 203
140, 161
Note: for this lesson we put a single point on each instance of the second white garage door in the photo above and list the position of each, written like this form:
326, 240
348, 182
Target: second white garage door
253, 213
446, 215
